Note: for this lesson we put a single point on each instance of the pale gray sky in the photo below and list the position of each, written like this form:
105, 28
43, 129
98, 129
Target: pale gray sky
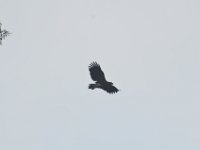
149, 49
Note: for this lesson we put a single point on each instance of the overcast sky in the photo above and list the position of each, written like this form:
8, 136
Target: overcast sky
149, 49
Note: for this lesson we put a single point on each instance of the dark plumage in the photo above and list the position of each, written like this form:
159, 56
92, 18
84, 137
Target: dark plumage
97, 75
3, 34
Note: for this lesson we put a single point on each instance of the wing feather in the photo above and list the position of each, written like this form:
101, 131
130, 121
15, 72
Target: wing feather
96, 73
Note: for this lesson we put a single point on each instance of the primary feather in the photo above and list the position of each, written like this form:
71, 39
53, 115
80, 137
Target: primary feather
96, 73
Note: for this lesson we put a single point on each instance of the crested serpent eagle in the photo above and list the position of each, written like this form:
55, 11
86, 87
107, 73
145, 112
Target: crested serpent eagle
97, 75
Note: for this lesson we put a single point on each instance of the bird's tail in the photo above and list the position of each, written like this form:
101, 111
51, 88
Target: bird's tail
92, 86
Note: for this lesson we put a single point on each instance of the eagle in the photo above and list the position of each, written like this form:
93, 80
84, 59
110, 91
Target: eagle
3, 34
98, 75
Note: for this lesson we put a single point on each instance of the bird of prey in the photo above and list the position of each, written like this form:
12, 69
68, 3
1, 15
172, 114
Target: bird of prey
3, 34
98, 75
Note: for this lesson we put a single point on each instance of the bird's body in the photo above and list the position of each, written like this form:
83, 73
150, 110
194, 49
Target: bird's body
97, 75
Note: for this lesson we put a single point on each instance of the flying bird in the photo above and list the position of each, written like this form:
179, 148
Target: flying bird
3, 34
98, 75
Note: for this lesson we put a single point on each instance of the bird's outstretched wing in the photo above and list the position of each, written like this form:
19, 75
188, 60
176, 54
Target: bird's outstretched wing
96, 73
110, 89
